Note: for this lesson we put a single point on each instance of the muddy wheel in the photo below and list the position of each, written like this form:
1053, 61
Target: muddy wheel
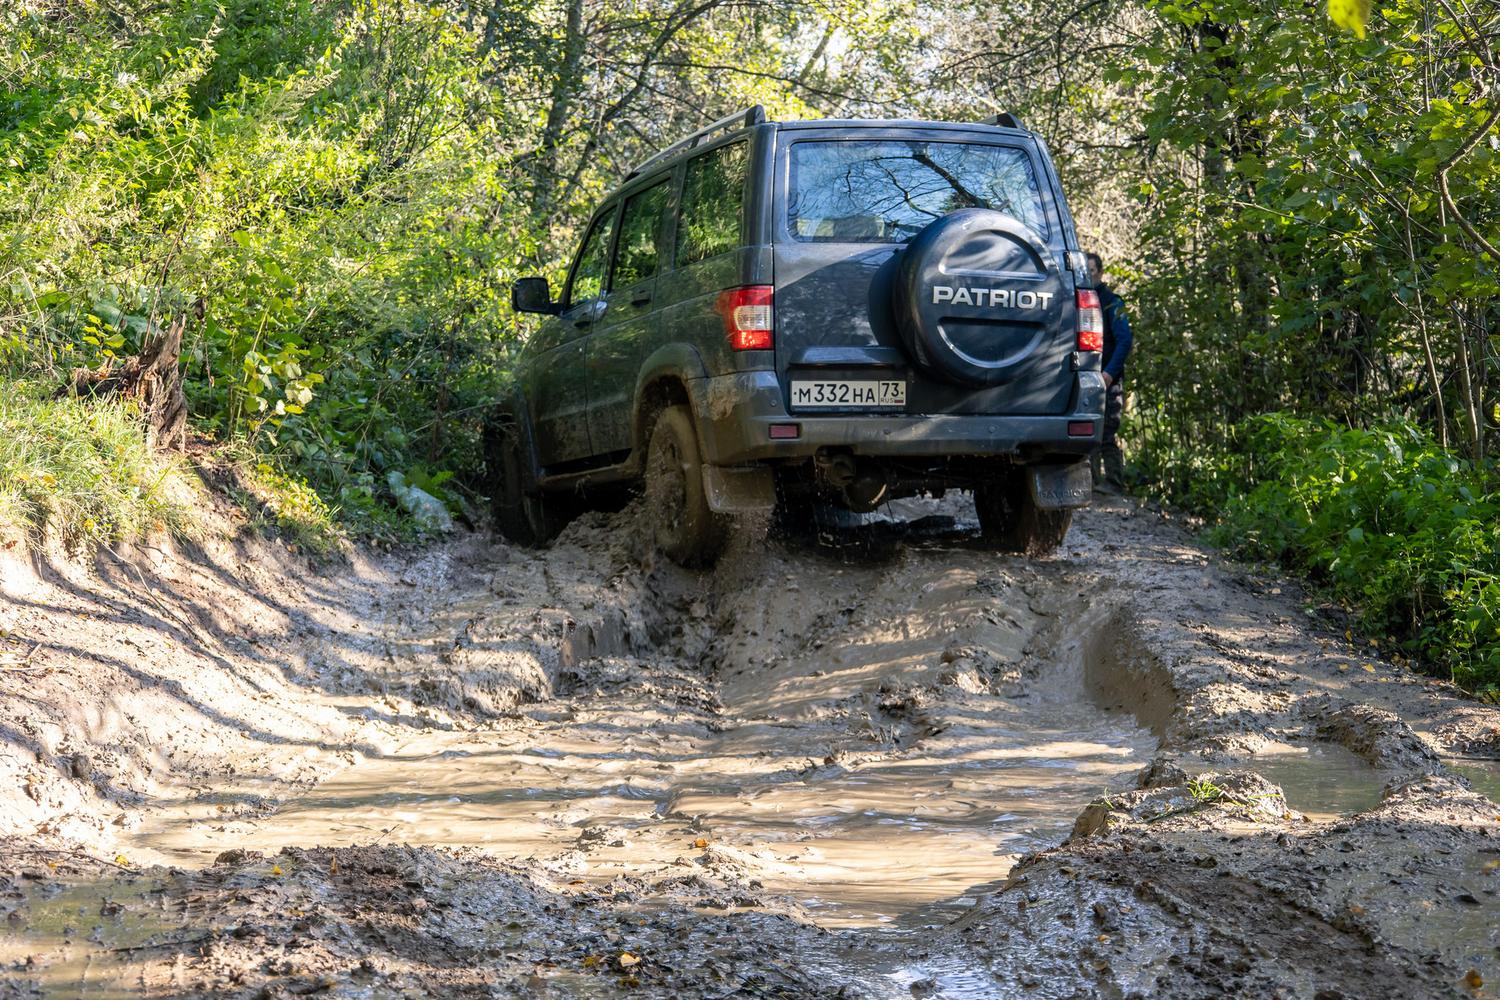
686, 529
523, 518
1010, 520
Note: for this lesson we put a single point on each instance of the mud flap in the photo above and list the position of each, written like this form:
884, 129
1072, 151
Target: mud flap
1061, 487
739, 489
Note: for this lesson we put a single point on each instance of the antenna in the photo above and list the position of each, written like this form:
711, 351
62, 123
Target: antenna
1005, 120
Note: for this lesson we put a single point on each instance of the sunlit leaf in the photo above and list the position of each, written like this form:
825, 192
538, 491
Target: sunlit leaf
1351, 15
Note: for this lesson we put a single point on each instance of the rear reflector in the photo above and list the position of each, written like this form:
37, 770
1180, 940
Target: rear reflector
785, 431
1080, 428
748, 317
1090, 322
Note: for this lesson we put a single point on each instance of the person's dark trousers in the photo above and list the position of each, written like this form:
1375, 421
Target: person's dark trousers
1109, 454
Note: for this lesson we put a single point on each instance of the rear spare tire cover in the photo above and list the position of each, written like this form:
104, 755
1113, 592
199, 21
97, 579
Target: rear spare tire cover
976, 295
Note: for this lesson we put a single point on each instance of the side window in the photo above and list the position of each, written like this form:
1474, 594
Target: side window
638, 256
588, 277
713, 196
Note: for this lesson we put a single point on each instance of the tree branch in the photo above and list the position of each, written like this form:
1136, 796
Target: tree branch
1442, 179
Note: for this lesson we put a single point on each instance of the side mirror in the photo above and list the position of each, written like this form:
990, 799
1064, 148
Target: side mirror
531, 295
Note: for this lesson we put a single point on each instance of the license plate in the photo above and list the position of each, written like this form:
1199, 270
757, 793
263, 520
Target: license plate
864, 394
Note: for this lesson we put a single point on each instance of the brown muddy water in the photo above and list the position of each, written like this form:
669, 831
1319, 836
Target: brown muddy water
856, 846
866, 768
1322, 781
903, 843
84, 934
1482, 775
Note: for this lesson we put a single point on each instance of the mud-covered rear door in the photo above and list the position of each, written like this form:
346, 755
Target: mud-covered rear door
849, 201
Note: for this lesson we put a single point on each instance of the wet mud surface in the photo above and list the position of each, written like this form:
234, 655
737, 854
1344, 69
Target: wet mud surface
867, 759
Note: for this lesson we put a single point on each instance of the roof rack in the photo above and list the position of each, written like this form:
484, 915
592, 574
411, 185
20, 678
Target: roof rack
747, 118
1005, 120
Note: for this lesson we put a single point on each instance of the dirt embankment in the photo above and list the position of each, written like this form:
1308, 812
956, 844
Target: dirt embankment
869, 760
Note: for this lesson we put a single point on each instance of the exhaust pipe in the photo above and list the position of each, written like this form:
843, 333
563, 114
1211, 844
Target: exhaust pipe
863, 486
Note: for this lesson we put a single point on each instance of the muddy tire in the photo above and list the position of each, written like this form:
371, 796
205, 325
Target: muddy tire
1010, 520
684, 526
524, 518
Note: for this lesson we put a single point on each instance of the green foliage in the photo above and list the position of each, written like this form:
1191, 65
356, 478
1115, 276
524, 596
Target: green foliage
292, 506
1389, 522
335, 197
1352, 15
81, 472
1203, 790
1295, 252
312, 193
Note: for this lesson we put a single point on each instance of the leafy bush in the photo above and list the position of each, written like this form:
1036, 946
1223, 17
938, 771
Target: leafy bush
290, 504
312, 188
81, 471
1391, 523
334, 198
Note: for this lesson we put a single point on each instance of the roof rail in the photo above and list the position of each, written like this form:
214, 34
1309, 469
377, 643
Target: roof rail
1005, 120
747, 118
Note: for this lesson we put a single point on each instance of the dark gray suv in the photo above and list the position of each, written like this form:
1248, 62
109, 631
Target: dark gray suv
815, 311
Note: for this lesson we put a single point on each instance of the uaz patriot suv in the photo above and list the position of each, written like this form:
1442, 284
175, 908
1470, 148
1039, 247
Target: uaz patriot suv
834, 311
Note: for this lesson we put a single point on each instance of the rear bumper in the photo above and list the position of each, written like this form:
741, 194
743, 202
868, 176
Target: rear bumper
735, 414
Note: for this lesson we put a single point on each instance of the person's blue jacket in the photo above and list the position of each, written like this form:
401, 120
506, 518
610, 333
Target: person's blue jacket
1117, 336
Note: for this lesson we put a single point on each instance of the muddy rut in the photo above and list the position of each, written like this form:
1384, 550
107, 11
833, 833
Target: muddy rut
865, 758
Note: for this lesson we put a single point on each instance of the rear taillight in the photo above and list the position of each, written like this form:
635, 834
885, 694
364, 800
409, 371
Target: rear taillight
1090, 321
748, 317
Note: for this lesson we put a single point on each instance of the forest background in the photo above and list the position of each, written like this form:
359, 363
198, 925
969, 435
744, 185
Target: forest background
330, 199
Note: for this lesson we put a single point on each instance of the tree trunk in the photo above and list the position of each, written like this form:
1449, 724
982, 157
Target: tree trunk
151, 379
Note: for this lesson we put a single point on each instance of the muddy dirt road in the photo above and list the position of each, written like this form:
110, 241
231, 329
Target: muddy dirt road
872, 760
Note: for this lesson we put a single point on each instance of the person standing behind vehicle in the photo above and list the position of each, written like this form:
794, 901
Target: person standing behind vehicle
1118, 341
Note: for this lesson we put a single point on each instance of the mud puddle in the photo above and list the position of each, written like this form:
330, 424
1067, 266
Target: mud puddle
82, 938
856, 841
861, 843
1326, 781
885, 731
1483, 775
1322, 781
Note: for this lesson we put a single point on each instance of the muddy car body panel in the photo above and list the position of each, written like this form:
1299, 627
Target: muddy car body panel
892, 301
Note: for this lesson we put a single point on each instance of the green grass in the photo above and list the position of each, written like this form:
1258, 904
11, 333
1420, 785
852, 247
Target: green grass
271, 497
81, 472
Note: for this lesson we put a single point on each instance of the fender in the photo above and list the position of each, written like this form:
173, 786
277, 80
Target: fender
677, 362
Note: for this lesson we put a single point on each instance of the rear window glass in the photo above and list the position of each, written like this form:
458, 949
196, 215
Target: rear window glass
713, 195
888, 191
